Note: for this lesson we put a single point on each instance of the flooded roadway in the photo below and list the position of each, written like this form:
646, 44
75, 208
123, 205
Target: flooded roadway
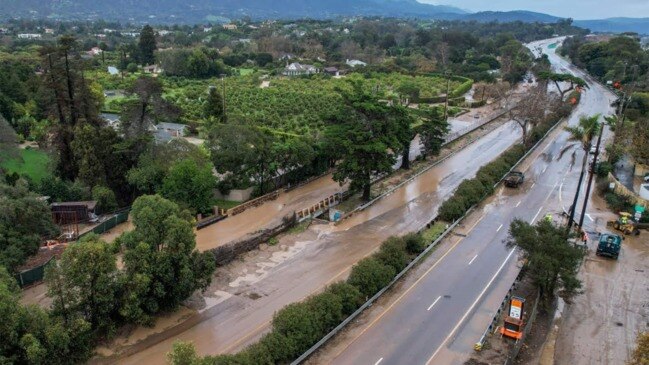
271, 213
325, 253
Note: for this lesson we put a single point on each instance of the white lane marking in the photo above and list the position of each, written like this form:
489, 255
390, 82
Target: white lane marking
589, 217
435, 302
536, 215
466, 314
473, 259
532, 186
544, 169
501, 226
517, 204
378, 362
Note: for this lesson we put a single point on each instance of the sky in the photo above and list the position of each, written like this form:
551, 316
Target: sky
576, 9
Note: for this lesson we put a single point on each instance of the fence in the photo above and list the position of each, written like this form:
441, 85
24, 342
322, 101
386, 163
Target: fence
253, 203
31, 276
319, 207
228, 252
620, 189
110, 223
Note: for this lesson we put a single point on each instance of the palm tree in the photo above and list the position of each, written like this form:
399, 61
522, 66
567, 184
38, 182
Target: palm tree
583, 133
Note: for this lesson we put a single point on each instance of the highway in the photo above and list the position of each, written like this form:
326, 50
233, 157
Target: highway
445, 305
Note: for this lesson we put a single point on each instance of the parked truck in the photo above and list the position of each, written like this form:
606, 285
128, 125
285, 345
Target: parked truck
514, 179
609, 245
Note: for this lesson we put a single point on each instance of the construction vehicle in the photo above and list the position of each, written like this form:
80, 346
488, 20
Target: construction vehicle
514, 179
609, 245
624, 224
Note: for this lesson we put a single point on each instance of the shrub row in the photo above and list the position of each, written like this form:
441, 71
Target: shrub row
462, 89
472, 191
298, 326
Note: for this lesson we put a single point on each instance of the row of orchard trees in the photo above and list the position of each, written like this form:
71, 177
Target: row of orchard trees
362, 137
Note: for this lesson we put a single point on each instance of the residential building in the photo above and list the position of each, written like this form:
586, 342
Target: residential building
355, 63
333, 71
174, 129
298, 69
230, 26
29, 36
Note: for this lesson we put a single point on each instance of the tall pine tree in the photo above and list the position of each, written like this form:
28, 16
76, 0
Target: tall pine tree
147, 45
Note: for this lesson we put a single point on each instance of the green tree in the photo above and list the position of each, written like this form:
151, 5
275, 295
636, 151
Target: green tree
147, 45
31, 336
190, 185
362, 136
83, 283
551, 261
24, 220
154, 164
105, 198
213, 107
162, 267
433, 131
246, 151
556, 78
370, 275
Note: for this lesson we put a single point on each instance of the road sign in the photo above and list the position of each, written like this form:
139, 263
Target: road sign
516, 307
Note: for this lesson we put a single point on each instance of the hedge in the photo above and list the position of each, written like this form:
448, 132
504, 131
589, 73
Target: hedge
298, 326
462, 89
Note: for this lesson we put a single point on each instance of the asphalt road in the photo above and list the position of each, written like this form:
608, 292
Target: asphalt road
443, 310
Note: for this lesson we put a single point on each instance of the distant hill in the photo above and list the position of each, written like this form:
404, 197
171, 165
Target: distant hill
195, 11
511, 16
198, 11
616, 25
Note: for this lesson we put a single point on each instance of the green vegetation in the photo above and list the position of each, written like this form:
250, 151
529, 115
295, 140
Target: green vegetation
641, 352
225, 204
550, 260
23, 221
32, 163
296, 327
432, 233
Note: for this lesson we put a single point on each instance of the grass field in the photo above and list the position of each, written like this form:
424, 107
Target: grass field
245, 71
226, 204
32, 163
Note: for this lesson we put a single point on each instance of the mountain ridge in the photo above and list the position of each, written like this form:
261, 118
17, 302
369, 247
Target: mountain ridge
202, 11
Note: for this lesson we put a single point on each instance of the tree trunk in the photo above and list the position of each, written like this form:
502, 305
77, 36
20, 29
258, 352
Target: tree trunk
405, 159
73, 108
367, 191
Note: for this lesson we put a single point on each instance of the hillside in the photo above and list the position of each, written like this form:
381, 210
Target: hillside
194, 11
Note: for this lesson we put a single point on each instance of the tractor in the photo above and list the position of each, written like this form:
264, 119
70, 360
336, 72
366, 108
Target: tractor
625, 224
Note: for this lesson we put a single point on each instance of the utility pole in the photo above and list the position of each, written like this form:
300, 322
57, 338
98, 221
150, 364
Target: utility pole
573, 207
590, 177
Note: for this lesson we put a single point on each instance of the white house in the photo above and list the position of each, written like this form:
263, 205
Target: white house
298, 69
29, 36
354, 63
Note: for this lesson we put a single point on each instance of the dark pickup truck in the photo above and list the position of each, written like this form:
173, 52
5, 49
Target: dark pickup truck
514, 179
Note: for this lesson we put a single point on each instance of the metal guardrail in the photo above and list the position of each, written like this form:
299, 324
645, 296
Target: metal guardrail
376, 296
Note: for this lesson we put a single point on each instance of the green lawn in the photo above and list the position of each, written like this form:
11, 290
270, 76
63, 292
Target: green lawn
226, 204
432, 233
33, 164
246, 71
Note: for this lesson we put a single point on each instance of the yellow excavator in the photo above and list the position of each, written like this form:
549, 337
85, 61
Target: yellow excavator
625, 224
